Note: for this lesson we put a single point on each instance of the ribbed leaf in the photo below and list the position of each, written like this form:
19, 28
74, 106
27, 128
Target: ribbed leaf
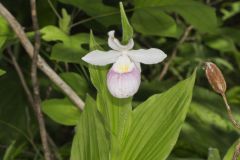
157, 122
91, 141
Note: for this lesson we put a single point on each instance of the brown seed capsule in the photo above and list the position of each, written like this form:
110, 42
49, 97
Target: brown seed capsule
215, 78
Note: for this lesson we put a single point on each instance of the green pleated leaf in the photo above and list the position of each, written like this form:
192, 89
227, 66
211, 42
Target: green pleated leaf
157, 122
91, 141
196, 13
127, 28
61, 111
117, 112
213, 154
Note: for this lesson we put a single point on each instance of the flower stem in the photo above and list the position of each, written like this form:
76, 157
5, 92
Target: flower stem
235, 124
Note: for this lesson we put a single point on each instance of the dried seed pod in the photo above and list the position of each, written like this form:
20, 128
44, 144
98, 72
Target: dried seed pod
215, 78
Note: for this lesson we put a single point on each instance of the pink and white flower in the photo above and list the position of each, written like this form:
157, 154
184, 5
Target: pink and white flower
124, 77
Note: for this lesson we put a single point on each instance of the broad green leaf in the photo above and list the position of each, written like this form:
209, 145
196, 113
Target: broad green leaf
71, 50
126, 27
91, 141
104, 14
65, 21
117, 112
76, 82
2, 72
196, 13
61, 111
230, 152
153, 21
157, 122
213, 154
66, 53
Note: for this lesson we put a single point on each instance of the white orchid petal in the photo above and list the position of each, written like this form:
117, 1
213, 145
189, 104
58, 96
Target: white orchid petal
147, 56
123, 85
101, 58
116, 45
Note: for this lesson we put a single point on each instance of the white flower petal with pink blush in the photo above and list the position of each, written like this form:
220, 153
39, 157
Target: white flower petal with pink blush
123, 79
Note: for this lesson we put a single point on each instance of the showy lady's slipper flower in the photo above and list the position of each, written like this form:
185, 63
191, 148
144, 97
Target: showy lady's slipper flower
124, 77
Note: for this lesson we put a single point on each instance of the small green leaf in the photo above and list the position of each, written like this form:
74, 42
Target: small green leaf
2, 72
157, 122
126, 27
61, 111
213, 154
65, 53
65, 21
91, 141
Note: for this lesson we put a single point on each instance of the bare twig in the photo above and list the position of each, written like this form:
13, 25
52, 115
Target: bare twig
41, 63
174, 52
35, 84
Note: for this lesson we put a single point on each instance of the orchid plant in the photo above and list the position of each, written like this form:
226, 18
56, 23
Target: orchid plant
109, 128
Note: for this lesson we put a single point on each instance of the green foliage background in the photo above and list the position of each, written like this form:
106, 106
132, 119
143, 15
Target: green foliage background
65, 29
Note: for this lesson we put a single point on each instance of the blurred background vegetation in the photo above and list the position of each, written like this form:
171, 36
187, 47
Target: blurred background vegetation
188, 31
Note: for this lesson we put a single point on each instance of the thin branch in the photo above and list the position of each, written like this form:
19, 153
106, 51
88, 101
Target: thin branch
235, 124
230, 115
41, 63
54, 9
174, 52
36, 94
